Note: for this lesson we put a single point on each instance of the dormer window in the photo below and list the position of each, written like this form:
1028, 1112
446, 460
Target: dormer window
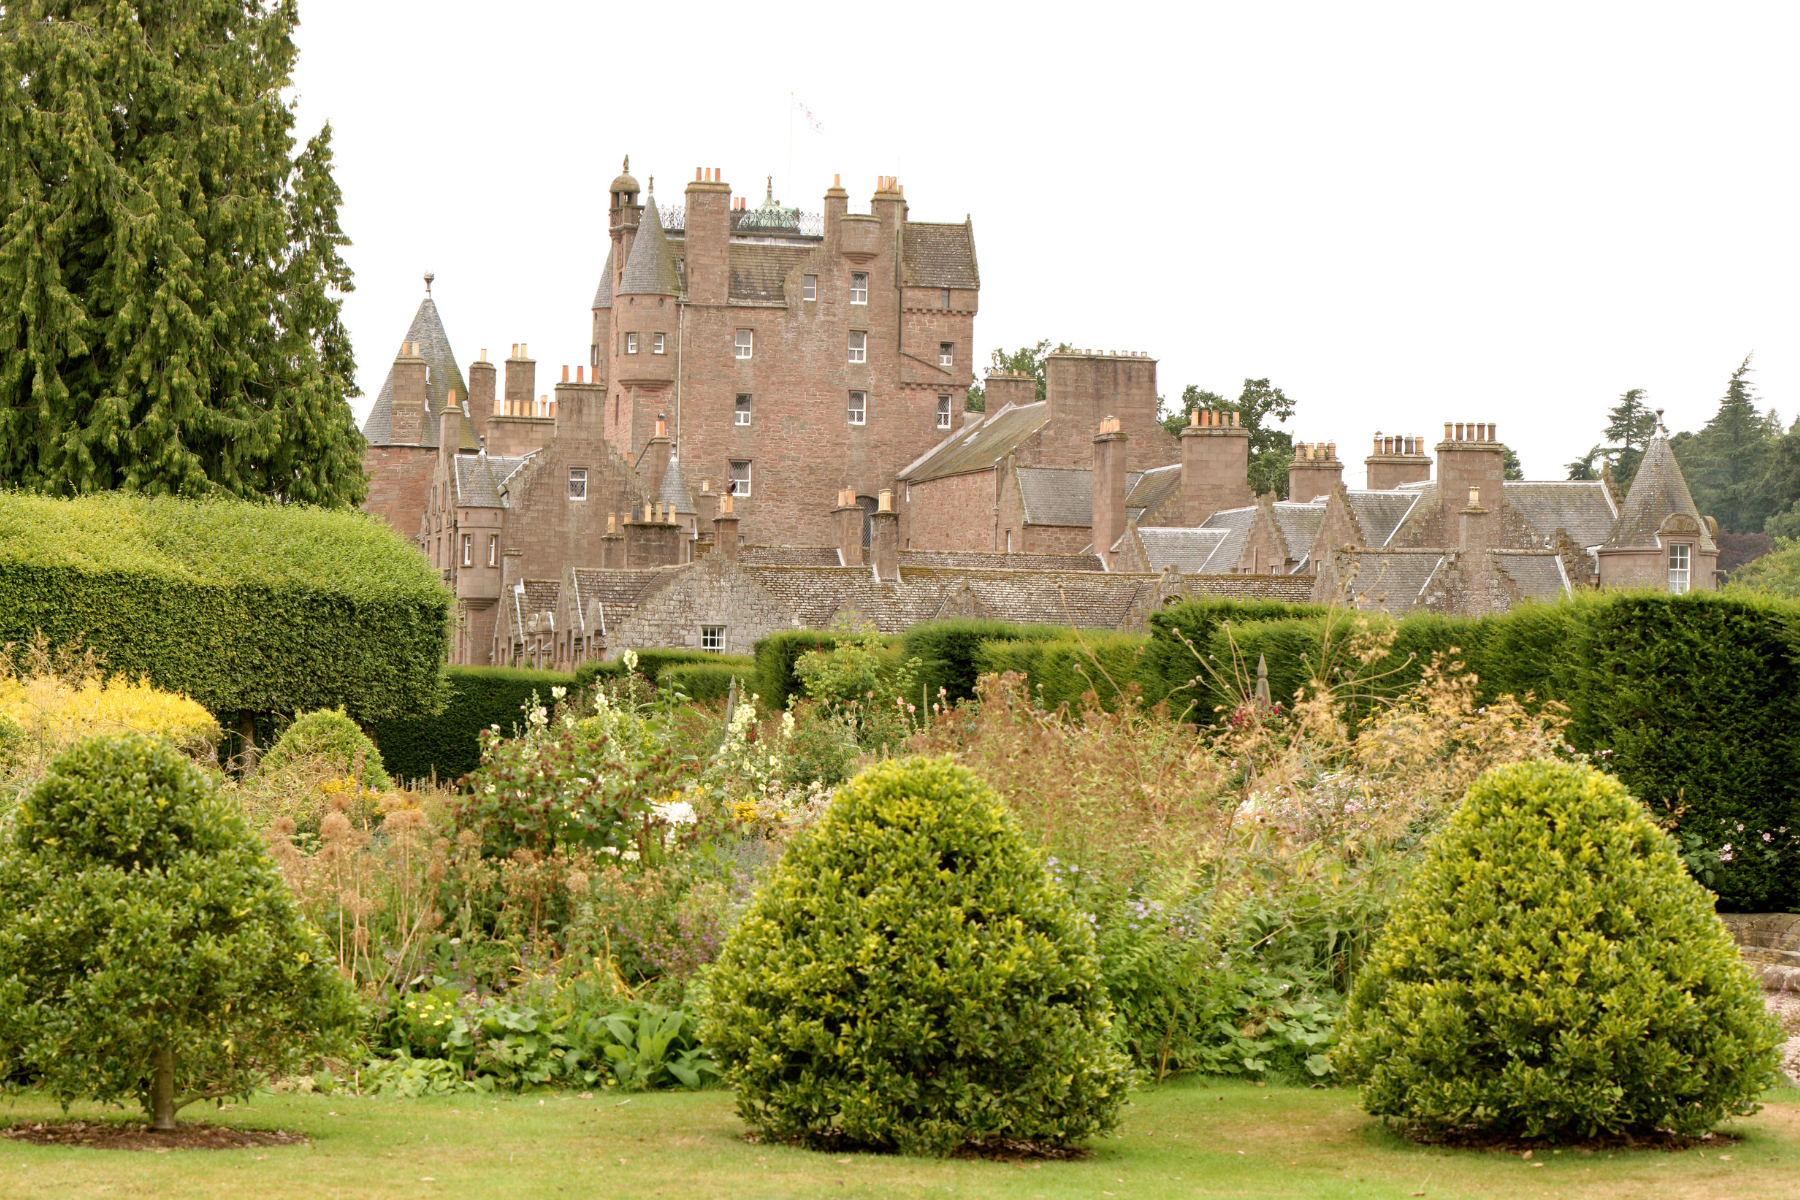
859, 288
1678, 568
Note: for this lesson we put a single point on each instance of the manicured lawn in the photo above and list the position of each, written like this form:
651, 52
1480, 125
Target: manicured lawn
1190, 1138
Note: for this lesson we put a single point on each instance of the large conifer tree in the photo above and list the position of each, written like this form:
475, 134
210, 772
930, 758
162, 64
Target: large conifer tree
169, 267
1727, 463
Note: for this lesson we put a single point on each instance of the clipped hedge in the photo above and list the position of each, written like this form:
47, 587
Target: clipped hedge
775, 658
1060, 670
240, 606
448, 745
947, 650
1169, 662
652, 663
710, 681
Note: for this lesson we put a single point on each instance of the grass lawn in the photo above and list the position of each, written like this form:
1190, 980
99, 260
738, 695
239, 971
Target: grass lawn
1189, 1138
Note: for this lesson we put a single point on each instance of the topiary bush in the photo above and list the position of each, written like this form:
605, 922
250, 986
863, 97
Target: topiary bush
149, 948
911, 978
1553, 971
332, 737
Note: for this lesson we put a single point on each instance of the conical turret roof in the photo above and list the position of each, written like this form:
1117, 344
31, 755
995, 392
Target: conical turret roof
441, 376
650, 271
673, 491
604, 293
1657, 490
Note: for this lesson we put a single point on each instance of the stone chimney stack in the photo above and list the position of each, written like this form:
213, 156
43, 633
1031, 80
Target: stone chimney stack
847, 525
837, 203
1471, 459
725, 529
653, 463
1002, 390
450, 433
521, 383
884, 540
408, 422
708, 233
1215, 464
1315, 471
1109, 490
1397, 460
1474, 534
481, 394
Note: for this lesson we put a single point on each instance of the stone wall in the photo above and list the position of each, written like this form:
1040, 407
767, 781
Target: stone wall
399, 485
956, 512
711, 591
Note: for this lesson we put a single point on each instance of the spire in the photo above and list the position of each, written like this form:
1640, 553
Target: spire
443, 380
650, 271
1657, 491
603, 295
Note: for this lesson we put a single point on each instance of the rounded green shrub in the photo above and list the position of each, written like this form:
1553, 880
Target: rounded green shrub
910, 977
329, 735
1553, 971
149, 948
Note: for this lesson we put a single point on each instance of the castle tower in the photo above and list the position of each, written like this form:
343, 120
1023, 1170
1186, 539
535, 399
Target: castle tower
645, 324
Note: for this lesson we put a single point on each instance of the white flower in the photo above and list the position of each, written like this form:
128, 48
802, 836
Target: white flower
557, 693
675, 812
787, 724
629, 658
629, 855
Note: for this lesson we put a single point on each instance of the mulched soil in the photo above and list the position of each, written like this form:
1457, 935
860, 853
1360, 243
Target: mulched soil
124, 1135
993, 1150
1661, 1139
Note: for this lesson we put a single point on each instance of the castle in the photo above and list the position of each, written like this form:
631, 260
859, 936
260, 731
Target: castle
769, 433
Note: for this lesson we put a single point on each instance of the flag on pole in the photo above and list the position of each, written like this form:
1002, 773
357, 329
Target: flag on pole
806, 115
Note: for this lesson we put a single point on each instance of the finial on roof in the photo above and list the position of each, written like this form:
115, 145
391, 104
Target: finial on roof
652, 190
626, 169
428, 278
1659, 425
769, 193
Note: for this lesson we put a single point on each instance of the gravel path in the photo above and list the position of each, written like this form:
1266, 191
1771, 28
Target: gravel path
1786, 1007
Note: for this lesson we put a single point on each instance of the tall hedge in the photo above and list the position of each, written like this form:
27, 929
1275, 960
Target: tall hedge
652, 663
775, 658
1062, 670
448, 744
947, 650
710, 680
241, 606
1168, 660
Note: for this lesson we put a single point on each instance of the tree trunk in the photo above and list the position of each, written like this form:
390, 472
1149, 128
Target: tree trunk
246, 741
162, 1092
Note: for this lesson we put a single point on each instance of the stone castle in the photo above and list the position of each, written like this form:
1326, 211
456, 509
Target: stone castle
769, 433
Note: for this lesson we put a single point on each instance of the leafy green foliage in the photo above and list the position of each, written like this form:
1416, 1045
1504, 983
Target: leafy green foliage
707, 681
775, 659
581, 1035
946, 652
652, 663
170, 267
1168, 660
1629, 427
448, 744
910, 976
143, 921
1552, 971
1775, 574
269, 608
329, 735
1026, 360
1728, 463
1063, 670
1260, 406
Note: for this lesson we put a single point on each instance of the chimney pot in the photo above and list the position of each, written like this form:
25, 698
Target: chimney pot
565, 372
887, 501
1492, 435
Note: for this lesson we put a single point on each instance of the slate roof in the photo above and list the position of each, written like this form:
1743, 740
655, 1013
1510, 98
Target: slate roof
1187, 549
1379, 514
1581, 507
1295, 589
1538, 574
650, 271
759, 271
479, 478
1392, 581
441, 375
1089, 599
674, 490
980, 446
618, 592
789, 556
529, 597
939, 255
1299, 524
1657, 490
1060, 495
1152, 488
1236, 523
999, 562
603, 295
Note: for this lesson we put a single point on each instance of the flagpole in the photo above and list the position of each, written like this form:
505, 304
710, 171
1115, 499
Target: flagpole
790, 186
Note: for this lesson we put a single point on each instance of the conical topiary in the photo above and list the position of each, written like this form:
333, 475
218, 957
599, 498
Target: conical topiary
1553, 971
911, 978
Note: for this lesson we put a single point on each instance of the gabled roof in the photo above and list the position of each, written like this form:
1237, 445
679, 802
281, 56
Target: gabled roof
989, 560
527, 598
650, 270
1657, 491
939, 255
674, 492
1299, 524
1084, 598
479, 478
1538, 575
1152, 488
980, 446
1060, 495
789, 556
1378, 514
1392, 581
1236, 523
617, 592
441, 375
1185, 548
603, 295
1581, 507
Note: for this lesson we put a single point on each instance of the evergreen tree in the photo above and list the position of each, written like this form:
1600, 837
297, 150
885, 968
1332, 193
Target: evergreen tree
1629, 427
170, 270
1784, 485
1510, 467
1727, 463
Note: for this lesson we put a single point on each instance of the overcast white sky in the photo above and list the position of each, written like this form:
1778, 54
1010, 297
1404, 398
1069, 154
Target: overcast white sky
1401, 214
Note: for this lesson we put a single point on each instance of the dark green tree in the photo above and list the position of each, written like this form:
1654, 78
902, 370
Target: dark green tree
1728, 463
1026, 360
1784, 484
1509, 464
170, 267
1629, 427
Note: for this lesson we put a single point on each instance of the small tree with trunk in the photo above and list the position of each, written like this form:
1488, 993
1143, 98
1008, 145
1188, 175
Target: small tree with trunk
149, 948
